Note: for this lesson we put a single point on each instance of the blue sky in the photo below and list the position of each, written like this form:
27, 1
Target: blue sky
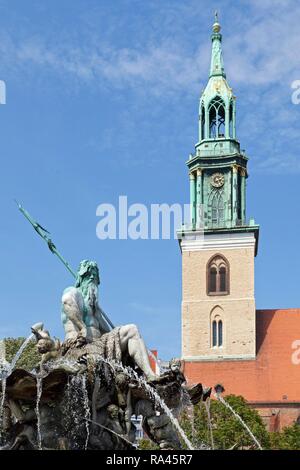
102, 101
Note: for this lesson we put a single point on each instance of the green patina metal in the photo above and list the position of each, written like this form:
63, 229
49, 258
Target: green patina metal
42, 232
217, 64
218, 168
45, 235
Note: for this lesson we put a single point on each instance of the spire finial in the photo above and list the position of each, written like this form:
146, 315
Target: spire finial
216, 25
216, 65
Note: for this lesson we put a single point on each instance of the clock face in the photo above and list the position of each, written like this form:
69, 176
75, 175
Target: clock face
217, 180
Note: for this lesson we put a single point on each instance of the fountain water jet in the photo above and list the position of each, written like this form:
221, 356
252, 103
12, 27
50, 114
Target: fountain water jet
46, 404
39, 391
86, 410
153, 394
237, 416
209, 423
3, 386
19, 353
6, 370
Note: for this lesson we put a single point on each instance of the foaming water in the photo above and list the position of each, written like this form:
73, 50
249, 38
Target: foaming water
189, 407
39, 391
3, 386
5, 370
153, 394
80, 381
87, 413
77, 412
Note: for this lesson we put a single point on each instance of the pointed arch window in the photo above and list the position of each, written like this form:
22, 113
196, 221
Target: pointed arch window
222, 275
216, 112
202, 122
214, 334
217, 331
217, 208
231, 120
213, 279
218, 276
220, 333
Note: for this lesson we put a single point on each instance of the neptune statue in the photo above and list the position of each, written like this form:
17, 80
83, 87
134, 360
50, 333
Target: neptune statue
88, 390
84, 322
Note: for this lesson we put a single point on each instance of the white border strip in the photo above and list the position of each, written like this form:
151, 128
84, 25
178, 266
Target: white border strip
220, 358
218, 242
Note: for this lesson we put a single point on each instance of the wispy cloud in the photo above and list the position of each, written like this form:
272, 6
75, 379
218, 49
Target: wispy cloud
261, 51
162, 68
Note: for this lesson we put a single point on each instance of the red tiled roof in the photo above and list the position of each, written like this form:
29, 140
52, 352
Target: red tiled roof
273, 376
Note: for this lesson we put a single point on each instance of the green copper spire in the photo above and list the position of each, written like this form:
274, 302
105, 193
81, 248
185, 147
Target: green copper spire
218, 167
217, 102
216, 65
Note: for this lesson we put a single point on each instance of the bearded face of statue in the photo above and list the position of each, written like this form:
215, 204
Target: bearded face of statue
88, 272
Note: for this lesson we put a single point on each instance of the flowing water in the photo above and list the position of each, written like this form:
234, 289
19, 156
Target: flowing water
153, 394
3, 375
77, 414
237, 416
189, 407
85, 400
6, 369
207, 406
3, 386
73, 411
97, 386
87, 413
39, 390
2, 355
19, 352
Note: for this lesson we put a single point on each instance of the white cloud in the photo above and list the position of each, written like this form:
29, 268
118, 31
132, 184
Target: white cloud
261, 51
280, 163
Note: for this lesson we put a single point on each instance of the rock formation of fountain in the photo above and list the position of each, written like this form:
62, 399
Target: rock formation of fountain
81, 400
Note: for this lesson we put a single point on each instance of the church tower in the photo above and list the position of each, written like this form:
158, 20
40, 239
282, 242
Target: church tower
219, 245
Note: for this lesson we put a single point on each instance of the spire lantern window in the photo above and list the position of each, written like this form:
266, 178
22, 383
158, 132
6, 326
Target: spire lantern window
216, 111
